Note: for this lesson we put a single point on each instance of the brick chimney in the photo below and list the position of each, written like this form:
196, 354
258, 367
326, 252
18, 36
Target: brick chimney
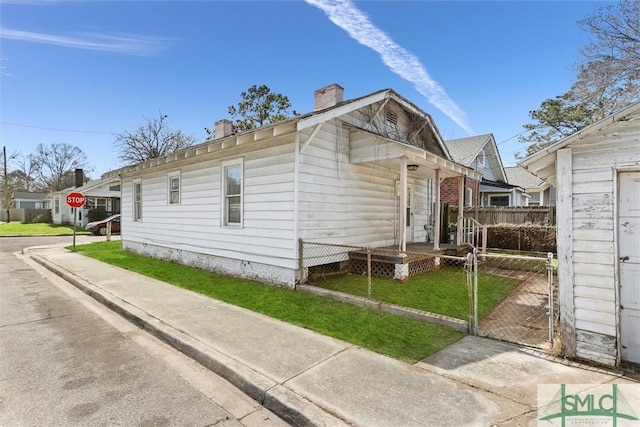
223, 128
79, 177
328, 96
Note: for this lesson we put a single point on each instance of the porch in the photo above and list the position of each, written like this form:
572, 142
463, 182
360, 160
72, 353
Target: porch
322, 260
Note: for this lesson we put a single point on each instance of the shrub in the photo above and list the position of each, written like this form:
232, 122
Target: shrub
522, 237
97, 214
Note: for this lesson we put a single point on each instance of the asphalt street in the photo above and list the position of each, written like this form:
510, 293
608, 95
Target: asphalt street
67, 360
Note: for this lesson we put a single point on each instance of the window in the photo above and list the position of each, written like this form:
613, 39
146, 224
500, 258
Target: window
469, 197
232, 181
174, 189
56, 205
535, 198
137, 201
499, 201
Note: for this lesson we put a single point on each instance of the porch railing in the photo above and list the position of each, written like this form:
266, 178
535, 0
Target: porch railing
474, 234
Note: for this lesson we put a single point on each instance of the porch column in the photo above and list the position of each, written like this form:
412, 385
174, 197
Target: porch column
436, 214
403, 204
460, 209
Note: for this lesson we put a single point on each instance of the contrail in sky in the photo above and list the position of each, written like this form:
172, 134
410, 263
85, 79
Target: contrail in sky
347, 16
119, 43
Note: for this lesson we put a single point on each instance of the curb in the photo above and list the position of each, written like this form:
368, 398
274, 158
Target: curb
288, 405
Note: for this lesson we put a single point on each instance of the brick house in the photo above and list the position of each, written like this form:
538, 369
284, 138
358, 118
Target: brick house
481, 154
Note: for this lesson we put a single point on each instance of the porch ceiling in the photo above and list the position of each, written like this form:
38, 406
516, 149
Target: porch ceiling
370, 148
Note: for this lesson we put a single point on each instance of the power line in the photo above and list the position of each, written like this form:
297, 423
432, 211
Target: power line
509, 139
56, 129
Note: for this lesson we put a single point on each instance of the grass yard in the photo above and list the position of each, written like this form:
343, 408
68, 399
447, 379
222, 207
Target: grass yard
442, 291
37, 229
405, 339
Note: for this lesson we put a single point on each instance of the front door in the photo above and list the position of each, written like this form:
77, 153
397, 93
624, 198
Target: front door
629, 264
409, 214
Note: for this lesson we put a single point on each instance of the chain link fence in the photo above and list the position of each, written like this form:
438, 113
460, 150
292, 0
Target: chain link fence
518, 300
502, 295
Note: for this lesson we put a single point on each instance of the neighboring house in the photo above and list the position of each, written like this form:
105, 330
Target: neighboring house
597, 175
100, 193
481, 154
30, 200
540, 192
358, 172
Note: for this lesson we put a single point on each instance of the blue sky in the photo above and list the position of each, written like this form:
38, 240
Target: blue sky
79, 71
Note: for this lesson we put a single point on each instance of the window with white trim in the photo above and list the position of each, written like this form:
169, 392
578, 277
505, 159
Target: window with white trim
469, 197
56, 205
534, 200
137, 200
174, 188
232, 194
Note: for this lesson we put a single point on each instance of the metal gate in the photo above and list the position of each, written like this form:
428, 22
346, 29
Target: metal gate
526, 288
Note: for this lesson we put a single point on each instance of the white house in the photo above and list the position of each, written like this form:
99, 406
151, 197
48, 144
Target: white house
359, 172
597, 175
540, 192
100, 193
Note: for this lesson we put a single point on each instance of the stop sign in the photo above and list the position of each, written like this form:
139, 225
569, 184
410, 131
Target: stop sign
76, 200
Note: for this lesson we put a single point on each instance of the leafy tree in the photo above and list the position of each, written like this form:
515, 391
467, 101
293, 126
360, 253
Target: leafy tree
258, 107
151, 140
55, 165
608, 78
555, 119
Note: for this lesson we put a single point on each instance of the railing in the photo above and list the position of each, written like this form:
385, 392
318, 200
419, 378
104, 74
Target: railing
474, 234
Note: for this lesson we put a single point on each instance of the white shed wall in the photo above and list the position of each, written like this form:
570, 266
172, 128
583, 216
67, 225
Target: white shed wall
591, 225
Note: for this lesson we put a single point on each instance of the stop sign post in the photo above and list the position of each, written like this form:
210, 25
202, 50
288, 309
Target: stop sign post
75, 200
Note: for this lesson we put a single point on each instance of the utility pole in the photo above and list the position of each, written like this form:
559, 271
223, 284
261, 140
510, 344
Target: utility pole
7, 198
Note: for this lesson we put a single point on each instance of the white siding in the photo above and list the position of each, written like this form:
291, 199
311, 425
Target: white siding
343, 203
266, 236
595, 160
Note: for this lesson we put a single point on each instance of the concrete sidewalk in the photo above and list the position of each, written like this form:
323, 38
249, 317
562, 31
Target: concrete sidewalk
310, 379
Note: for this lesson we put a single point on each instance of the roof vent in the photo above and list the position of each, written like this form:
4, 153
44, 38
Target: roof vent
392, 118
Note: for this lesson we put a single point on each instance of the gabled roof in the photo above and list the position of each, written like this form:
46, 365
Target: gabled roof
28, 195
345, 107
466, 150
517, 175
542, 163
314, 120
92, 185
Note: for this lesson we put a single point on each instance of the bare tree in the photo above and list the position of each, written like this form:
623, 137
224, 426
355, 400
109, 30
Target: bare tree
608, 78
151, 140
25, 174
55, 165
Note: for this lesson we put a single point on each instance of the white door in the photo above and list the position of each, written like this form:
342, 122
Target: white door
409, 213
629, 263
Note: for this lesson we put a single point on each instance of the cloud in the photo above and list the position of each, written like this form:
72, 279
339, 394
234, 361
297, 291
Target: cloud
116, 43
347, 16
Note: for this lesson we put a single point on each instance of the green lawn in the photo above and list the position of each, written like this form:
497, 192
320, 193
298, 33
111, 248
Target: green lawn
37, 229
402, 338
442, 291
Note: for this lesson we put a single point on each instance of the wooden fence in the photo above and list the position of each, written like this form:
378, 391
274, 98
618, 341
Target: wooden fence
490, 215
27, 216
